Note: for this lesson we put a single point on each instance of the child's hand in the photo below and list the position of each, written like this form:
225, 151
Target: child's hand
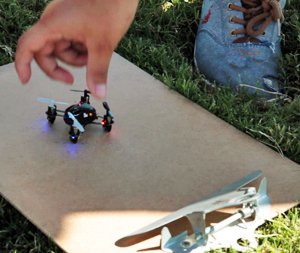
77, 32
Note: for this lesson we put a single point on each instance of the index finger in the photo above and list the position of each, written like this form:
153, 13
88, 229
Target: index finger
30, 43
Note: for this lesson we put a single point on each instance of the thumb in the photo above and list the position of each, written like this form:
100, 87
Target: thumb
97, 68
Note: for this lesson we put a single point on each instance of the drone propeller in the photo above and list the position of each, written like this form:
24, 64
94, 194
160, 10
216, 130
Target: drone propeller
87, 91
50, 102
106, 107
76, 122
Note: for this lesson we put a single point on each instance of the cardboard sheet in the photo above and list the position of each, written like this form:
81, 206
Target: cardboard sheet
163, 153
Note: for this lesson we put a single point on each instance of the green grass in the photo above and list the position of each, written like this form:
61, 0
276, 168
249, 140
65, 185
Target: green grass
18, 235
160, 41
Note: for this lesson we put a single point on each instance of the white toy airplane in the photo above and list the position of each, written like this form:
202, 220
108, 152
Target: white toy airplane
251, 203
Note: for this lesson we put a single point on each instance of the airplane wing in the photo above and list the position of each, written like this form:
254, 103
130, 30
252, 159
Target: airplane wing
209, 204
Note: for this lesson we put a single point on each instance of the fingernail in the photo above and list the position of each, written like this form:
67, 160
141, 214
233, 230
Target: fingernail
100, 90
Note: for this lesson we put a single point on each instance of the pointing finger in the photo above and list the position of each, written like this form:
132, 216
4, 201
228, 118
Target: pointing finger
97, 68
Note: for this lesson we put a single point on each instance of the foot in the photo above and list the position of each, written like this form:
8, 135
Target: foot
238, 44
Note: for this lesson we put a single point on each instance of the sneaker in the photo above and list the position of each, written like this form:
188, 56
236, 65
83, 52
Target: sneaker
238, 44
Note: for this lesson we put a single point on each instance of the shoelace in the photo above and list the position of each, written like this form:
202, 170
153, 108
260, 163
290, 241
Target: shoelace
258, 14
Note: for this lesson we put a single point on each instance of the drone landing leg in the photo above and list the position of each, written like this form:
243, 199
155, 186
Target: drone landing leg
51, 114
74, 134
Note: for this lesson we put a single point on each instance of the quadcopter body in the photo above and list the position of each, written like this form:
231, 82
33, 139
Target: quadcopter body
79, 115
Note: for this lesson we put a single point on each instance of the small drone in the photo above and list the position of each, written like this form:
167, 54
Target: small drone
79, 115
